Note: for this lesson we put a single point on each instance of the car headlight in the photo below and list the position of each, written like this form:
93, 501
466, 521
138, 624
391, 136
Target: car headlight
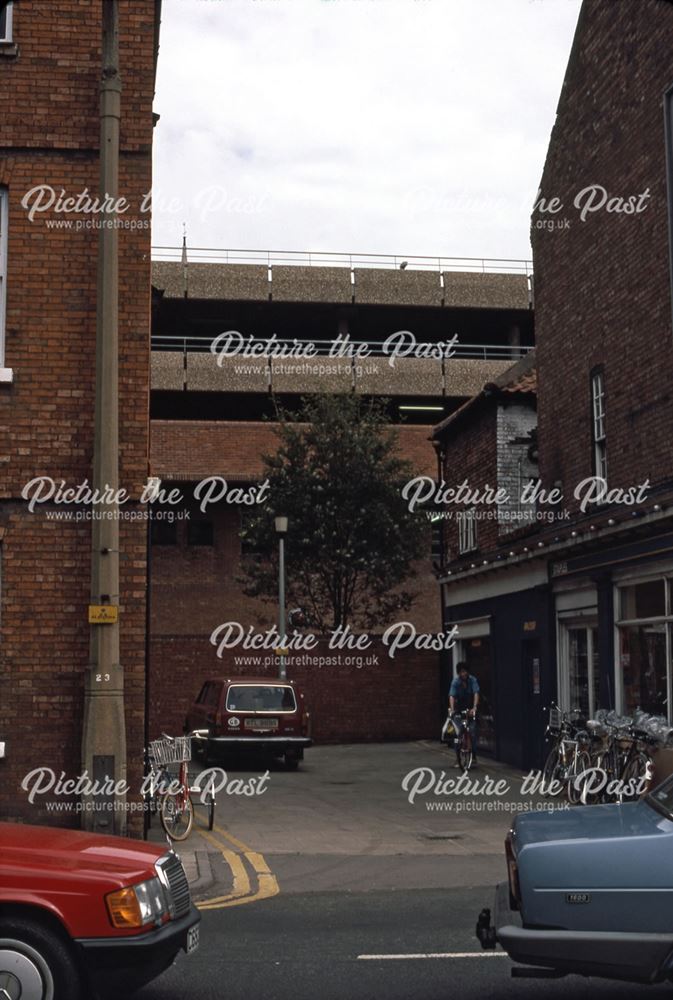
137, 905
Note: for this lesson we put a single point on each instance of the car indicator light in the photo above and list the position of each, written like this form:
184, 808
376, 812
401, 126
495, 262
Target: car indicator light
124, 908
137, 905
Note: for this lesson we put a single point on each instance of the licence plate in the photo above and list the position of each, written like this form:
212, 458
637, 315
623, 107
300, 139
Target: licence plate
192, 939
261, 724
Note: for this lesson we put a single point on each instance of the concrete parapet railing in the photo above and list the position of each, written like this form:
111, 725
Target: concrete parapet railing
343, 285
201, 372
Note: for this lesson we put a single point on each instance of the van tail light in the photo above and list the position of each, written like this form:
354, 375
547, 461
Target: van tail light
306, 724
513, 874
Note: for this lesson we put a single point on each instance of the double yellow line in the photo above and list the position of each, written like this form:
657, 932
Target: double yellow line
243, 862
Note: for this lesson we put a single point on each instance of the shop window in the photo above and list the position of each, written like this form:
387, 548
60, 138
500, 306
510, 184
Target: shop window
643, 600
200, 533
582, 664
645, 636
600, 461
467, 531
644, 668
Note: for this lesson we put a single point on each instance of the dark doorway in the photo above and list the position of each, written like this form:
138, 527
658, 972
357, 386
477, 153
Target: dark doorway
478, 656
533, 722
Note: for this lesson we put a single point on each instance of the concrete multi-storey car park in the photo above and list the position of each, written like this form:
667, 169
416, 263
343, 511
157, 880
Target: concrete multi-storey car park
581, 608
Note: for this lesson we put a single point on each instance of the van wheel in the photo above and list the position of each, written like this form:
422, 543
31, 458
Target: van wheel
291, 761
35, 964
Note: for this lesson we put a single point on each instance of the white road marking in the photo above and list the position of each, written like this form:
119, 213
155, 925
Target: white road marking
437, 954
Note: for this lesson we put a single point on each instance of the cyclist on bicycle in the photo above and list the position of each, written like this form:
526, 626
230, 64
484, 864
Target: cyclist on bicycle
464, 697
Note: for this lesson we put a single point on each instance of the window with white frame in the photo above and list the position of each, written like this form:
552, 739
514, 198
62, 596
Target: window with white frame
6, 12
467, 531
600, 460
4, 216
645, 643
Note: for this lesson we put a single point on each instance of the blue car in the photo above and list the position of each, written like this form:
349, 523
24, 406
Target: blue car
590, 891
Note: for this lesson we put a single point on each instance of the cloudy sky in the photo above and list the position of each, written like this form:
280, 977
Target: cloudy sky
368, 126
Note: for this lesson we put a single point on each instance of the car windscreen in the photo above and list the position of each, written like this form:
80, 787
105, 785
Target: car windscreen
662, 797
260, 698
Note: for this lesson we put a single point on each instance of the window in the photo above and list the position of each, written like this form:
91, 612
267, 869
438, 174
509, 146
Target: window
4, 216
164, 533
261, 698
6, 20
467, 531
645, 632
600, 461
580, 660
200, 533
251, 542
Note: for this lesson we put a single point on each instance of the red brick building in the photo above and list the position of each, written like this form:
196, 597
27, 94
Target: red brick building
50, 71
584, 605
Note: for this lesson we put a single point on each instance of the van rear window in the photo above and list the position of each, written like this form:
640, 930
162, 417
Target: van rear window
261, 698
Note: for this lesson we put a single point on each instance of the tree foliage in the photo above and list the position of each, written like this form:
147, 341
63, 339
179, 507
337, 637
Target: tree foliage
351, 540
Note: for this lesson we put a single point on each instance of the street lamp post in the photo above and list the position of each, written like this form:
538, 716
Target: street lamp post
281, 531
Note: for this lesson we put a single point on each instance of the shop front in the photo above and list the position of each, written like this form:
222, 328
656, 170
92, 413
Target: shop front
614, 629
503, 636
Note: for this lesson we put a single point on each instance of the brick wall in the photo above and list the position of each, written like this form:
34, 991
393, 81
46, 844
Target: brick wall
396, 698
196, 587
602, 293
50, 137
471, 454
514, 424
194, 449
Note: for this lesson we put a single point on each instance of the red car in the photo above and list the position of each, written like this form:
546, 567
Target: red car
81, 912
251, 713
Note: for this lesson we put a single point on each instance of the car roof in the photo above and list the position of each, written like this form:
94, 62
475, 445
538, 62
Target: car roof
245, 679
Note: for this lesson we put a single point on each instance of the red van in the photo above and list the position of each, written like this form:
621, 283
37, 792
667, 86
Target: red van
251, 713
83, 914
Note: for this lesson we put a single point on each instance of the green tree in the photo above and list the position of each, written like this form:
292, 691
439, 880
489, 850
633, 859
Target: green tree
352, 542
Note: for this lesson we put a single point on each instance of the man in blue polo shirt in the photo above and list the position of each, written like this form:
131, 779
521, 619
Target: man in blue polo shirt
464, 696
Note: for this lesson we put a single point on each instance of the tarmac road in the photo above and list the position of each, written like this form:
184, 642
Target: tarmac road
307, 947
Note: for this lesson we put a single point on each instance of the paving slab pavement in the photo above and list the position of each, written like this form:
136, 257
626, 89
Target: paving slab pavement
344, 821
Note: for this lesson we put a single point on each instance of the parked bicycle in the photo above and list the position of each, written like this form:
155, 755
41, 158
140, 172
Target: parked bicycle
621, 765
637, 764
568, 756
168, 793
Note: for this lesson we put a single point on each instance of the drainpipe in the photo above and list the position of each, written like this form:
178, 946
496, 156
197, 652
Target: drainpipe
104, 734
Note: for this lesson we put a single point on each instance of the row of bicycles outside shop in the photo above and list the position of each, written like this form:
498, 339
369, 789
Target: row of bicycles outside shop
609, 758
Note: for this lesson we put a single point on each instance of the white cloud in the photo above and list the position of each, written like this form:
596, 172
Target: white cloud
387, 126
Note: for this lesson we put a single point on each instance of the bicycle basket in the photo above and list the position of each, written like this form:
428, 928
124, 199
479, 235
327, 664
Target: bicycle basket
173, 751
555, 718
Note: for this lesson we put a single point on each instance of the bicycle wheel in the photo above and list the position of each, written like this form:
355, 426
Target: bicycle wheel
636, 778
551, 773
594, 785
611, 765
211, 812
465, 755
576, 781
177, 815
